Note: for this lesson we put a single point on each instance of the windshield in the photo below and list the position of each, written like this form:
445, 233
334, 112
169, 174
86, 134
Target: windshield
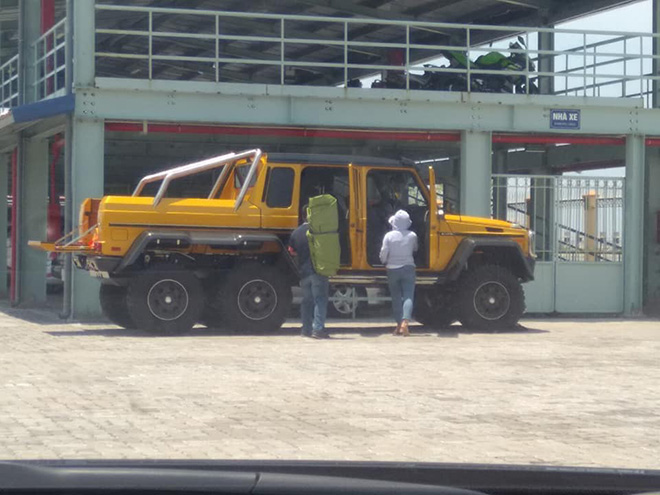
448, 249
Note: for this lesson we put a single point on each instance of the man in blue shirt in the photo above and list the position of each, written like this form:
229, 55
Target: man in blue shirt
315, 287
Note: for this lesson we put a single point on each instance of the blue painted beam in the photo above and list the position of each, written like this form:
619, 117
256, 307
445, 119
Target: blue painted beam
43, 109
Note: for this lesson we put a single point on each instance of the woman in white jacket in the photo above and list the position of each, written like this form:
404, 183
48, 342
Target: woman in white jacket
396, 254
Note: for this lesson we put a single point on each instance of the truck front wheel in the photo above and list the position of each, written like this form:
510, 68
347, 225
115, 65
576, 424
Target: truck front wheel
165, 301
254, 297
490, 297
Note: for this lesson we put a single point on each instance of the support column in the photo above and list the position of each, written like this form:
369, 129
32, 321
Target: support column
86, 182
85, 41
84, 175
546, 63
4, 192
475, 173
633, 241
29, 32
32, 204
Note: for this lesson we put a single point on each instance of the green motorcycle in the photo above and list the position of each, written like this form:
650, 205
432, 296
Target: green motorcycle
515, 62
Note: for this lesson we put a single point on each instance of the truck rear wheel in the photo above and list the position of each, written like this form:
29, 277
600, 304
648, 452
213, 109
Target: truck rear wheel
490, 297
114, 306
435, 307
254, 297
165, 301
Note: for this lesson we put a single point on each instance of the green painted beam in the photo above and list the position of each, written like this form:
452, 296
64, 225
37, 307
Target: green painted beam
255, 104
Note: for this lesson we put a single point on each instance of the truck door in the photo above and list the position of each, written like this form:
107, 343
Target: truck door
389, 190
356, 217
433, 220
441, 240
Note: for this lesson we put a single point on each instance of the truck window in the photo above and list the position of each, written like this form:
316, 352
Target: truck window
387, 192
240, 174
280, 187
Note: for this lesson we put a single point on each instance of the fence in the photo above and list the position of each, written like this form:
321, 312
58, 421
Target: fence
272, 48
575, 219
50, 61
9, 83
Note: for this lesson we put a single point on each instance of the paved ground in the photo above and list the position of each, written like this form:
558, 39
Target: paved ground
555, 392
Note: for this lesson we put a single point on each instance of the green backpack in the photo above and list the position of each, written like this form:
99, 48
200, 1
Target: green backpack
323, 234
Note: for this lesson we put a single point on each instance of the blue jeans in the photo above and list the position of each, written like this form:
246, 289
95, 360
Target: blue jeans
314, 305
402, 290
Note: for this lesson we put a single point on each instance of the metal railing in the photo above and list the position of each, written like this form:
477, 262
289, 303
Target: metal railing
274, 48
167, 176
627, 57
50, 61
9, 83
575, 219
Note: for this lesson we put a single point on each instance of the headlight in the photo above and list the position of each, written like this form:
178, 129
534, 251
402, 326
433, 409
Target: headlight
532, 243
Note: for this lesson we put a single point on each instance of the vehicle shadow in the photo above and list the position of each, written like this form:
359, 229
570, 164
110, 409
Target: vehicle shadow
343, 332
40, 316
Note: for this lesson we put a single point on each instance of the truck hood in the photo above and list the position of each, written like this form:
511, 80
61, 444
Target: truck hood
467, 224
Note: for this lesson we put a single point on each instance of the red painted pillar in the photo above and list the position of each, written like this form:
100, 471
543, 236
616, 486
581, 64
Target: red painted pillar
54, 213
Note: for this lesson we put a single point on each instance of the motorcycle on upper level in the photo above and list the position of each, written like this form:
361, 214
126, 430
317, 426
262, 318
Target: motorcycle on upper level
516, 61
397, 80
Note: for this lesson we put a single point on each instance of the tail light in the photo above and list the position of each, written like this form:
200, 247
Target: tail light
94, 242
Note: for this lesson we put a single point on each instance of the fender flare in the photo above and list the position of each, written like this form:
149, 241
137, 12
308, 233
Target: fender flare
185, 238
467, 247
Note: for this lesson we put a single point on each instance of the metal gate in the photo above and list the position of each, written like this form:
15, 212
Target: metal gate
578, 223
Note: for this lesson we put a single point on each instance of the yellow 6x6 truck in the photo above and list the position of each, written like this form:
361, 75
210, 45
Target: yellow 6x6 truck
168, 261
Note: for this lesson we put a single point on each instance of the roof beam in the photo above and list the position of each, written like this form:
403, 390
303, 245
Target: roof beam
354, 8
530, 4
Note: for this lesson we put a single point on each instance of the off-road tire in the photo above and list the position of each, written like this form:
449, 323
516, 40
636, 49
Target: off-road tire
490, 297
165, 301
114, 306
254, 298
344, 308
434, 307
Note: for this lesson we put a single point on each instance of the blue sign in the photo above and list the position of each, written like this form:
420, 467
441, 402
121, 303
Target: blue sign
564, 119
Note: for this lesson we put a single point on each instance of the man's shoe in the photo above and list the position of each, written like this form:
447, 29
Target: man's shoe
320, 335
306, 334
